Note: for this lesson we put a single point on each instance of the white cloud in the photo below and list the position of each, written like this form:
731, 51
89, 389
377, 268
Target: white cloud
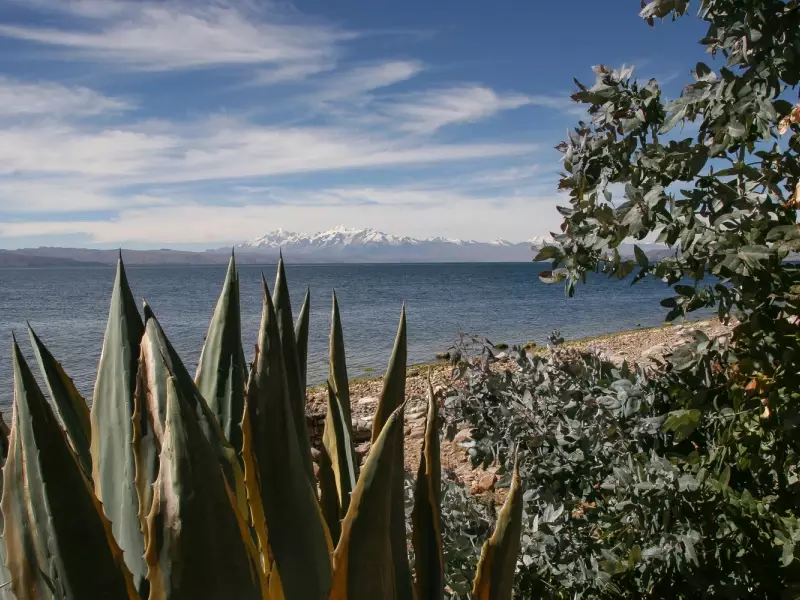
219, 148
180, 35
515, 218
21, 99
425, 112
367, 78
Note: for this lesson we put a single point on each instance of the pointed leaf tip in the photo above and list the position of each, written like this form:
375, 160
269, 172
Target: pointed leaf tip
495, 574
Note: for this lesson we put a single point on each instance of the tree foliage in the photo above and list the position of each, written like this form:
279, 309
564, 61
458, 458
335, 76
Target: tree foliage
682, 481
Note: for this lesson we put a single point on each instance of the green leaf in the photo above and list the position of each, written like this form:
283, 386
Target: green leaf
641, 257
297, 397
161, 360
298, 537
338, 441
5, 576
547, 253
495, 577
364, 563
426, 515
70, 405
337, 364
393, 397
58, 542
113, 465
221, 370
198, 543
556, 276
301, 336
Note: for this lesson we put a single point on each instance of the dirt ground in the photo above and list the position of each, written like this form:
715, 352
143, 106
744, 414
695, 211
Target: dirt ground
640, 346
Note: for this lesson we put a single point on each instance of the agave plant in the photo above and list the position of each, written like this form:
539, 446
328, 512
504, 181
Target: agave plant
177, 487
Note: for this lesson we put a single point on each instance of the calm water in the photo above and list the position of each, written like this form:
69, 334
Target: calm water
504, 302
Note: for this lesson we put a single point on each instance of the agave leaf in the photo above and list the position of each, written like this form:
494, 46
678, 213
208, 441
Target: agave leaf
329, 495
337, 367
221, 370
392, 397
495, 577
363, 563
198, 544
113, 467
58, 542
338, 442
298, 537
161, 361
5, 576
427, 512
297, 397
301, 336
255, 504
70, 405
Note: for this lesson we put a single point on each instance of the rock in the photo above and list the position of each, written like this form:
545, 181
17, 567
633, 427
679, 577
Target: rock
368, 401
484, 483
443, 356
363, 448
363, 423
413, 373
415, 412
407, 430
315, 454
463, 436
655, 352
417, 431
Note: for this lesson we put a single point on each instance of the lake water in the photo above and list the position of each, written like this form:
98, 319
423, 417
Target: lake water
507, 303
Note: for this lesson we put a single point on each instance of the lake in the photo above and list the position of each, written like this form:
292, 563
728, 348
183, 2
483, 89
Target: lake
68, 308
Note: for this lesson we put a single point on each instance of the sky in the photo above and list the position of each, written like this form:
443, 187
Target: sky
203, 123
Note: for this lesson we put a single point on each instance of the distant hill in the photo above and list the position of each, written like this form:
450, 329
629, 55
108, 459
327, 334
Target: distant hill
338, 245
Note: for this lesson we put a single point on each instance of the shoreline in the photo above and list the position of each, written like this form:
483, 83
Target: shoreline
633, 338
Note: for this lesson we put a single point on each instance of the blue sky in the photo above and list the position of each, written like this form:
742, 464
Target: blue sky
197, 123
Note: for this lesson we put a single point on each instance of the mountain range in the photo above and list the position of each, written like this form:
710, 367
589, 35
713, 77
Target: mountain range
336, 245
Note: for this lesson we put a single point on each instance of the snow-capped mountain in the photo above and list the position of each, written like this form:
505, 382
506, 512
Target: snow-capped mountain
369, 245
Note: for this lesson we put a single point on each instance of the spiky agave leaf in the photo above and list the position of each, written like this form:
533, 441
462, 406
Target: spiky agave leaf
5, 576
338, 441
329, 495
221, 371
113, 467
393, 396
71, 408
426, 515
301, 337
363, 563
298, 537
337, 365
495, 575
198, 545
159, 361
58, 542
297, 397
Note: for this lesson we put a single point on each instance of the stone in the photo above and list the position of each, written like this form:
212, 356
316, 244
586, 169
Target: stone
655, 352
443, 356
463, 436
416, 433
363, 448
484, 483
413, 373
368, 401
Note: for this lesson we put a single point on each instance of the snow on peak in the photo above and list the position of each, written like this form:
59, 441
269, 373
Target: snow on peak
341, 236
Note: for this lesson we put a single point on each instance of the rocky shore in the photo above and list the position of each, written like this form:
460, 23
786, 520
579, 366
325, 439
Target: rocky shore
643, 346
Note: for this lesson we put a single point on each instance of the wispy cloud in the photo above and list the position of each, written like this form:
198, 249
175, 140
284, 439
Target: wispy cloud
425, 112
358, 81
185, 35
185, 222
20, 99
